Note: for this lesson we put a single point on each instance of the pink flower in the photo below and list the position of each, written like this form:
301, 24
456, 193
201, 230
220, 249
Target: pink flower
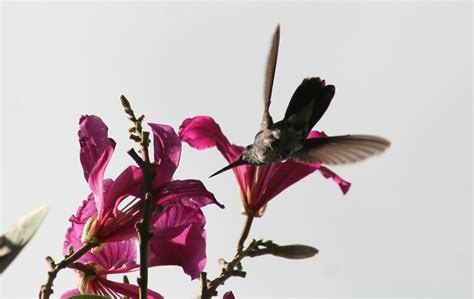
179, 236
94, 266
258, 185
105, 224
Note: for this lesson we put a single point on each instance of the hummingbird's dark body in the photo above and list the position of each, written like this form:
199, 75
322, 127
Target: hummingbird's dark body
287, 138
281, 140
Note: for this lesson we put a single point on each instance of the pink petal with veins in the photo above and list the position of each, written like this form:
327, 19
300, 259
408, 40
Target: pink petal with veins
179, 239
203, 132
167, 152
94, 140
187, 192
120, 290
96, 179
70, 293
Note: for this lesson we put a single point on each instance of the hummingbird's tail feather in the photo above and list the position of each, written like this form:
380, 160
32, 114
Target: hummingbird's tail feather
308, 103
236, 163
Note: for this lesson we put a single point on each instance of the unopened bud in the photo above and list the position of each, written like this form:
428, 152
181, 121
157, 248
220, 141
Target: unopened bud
294, 252
221, 262
125, 102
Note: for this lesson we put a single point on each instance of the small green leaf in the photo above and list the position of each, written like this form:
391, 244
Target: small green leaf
13, 241
294, 252
87, 297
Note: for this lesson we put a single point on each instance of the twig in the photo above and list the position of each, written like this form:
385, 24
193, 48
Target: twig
47, 289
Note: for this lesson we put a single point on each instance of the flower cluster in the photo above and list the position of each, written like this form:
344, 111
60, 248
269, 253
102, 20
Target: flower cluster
106, 219
105, 222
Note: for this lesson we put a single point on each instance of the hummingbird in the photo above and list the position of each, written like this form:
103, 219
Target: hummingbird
287, 138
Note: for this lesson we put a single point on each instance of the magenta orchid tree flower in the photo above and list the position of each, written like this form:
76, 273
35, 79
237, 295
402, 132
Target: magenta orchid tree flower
114, 206
178, 239
116, 257
258, 184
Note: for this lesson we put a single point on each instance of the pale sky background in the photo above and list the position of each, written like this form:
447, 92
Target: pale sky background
401, 70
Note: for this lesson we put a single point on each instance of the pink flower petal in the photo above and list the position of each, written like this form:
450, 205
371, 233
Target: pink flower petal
179, 239
85, 211
117, 257
203, 132
96, 179
129, 182
316, 134
167, 149
70, 293
120, 290
186, 192
228, 295
275, 178
114, 257
94, 141
327, 173
74, 232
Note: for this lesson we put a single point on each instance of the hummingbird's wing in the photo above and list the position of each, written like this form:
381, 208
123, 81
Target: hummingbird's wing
269, 76
340, 149
308, 104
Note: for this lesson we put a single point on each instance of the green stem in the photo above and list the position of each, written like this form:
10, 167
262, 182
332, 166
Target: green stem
144, 238
47, 289
245, 233
143, 227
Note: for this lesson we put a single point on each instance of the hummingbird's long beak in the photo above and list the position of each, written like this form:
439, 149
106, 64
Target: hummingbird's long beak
236, 163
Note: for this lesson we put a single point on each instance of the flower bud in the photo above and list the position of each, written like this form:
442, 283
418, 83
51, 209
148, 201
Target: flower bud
294, 252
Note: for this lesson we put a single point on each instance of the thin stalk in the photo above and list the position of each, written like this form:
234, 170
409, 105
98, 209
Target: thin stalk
143, 227
245, 233
144, 238
47, 289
